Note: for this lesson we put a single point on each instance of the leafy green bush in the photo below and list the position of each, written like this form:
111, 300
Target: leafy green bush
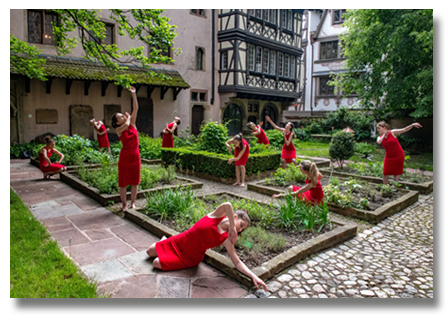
315, 128
275, 138
150, 148
288, 176
16, 150
216, 164
189, 140
262, 241
302, 134
360, 122
342, 147
213, 137
364, 148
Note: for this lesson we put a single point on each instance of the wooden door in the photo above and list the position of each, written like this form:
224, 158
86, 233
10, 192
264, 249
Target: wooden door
145, 121
197, 117
80, 116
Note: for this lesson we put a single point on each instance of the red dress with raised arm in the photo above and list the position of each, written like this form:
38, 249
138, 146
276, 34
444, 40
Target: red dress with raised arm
43, 164
288, 152
103, 140
129, 161
394, 159
167, 139
187, 249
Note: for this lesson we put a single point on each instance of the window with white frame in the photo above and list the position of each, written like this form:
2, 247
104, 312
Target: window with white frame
273, 61
265, 61
266, 14
286, 66
289, 25
258, 13
293, 67
251, 57
258, 60
280, 64
272, 16
224, 60
283, 18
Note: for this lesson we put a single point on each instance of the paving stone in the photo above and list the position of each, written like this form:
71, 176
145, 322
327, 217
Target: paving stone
318, 288
284, 278
106, 271
307, 275
298, 291
261, 293
250, 296
302, 267
273, 286
173, 288
367, 293
71, 237
98, 234
95, 219
143, 286
57, 211
218, 287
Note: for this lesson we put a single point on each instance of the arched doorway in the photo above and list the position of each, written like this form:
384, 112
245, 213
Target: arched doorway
197, 117
234, 115
272, 113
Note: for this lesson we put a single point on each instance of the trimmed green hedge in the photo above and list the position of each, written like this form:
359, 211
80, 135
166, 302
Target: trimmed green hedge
216, 164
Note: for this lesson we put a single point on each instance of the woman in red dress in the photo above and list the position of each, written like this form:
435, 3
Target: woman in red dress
45, 164
129, 160
101, 130
394, 159
312, 192
259, 133
241, 154
288, 150
187, 249
168, 140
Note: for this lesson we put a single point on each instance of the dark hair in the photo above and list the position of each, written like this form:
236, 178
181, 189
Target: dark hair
383, 124
178, 122
114, 121
49, 140
292, 125
239, 137
242, 214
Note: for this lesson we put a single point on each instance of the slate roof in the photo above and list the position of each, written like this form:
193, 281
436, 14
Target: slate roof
81, 69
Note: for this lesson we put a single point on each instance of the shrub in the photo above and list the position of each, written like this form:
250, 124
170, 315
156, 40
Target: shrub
342, 147
150, 148
190, 140
275, 138
302, 134
288, 176
364, 148
315, 128
213, 137
360, 122
26, 150
262, 241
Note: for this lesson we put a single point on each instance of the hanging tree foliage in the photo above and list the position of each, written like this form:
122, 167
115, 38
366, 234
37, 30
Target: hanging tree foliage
144, 25
392, 49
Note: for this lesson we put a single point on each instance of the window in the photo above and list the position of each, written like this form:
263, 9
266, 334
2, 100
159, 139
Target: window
40, 27
286, 68
266, 61
199, 12
293, 67
224, 56
252, 107
251, 57
258, 60
329, 50
266, 14
280, 64
199, 59
337, 15
202, 96
194, 96
258, 13
109, 39
272, 113
272, 16
273, 62
251, 12
289, 25
283, 18
197, 95
324, 88
234, 115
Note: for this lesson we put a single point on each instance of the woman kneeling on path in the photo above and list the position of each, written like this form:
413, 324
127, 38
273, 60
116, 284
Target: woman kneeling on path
241, 153
187, 249
312, 192
129, 164
45, 164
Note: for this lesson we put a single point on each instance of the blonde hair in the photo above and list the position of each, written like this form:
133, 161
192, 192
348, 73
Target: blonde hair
383, 124
313, 171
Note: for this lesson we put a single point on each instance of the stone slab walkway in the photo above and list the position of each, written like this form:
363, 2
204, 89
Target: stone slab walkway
391, 259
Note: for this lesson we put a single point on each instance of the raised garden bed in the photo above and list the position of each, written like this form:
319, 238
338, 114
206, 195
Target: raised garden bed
424, 187
35, 162
105, 199
375, 208
298, 245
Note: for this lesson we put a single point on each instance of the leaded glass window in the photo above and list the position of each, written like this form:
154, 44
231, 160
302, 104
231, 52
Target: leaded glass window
266, 61
258, 60
40, 27
273, 62
251, 57
280, 64
286, 67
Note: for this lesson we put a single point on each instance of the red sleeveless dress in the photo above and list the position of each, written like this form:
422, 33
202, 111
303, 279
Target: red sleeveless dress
129, 160
243, 160
394, 159
288, 152
187, 249
43, 164
103, 141
314, 195
262, 138
168, 140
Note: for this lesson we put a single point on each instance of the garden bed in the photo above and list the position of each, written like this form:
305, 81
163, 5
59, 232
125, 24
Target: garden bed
370, 204
105, 199
35, 162
296, 245
424, 188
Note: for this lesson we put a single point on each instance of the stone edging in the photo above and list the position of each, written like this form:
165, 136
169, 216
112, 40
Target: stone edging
423, 188
267, 269
35, 162
105, 199
374, 216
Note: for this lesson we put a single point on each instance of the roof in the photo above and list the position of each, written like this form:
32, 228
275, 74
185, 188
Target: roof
81, 69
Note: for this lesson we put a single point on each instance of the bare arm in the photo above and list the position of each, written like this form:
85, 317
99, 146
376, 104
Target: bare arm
125, 126
381, 138
102, 133
241, 153
302, 190
228, 142
172, 129
240, 266
290, 139
395, 132
135, 106
60, 154
44, 153
227, 209
257, 131
274, 125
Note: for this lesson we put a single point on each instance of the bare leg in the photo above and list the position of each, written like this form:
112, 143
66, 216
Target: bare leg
156, 263
294, 161
152, 252
284, 163
396, 178
237, 171
243, 175
385, 179
123, 198
108, 150
134, 189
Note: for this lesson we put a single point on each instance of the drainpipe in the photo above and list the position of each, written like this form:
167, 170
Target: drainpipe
312, 68
212, 99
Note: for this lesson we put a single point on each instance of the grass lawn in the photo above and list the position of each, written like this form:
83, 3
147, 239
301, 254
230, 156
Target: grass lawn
321, 148
38, 268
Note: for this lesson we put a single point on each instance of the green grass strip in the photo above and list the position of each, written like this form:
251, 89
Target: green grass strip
38, 268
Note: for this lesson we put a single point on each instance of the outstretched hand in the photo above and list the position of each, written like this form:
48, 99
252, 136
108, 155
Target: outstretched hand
268, 118
230, 161
132, 89
257, 281
417, 125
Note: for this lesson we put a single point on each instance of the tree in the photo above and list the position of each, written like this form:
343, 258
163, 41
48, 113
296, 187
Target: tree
389, 61
342, 147
144, 25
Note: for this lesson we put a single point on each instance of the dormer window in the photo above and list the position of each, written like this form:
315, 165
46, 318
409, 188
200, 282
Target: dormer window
337, 15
